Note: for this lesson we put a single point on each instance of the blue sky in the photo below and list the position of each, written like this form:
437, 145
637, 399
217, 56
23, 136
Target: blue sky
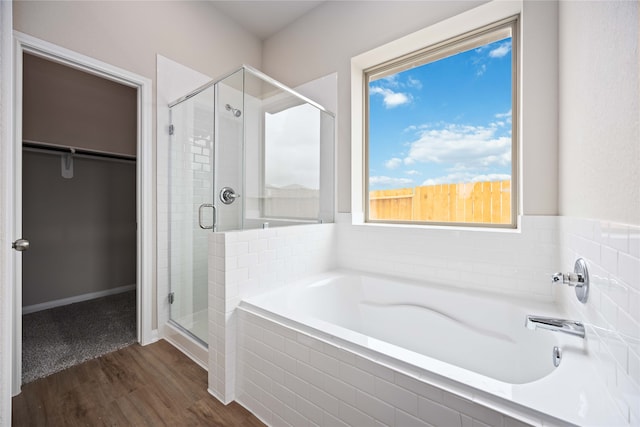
448, 121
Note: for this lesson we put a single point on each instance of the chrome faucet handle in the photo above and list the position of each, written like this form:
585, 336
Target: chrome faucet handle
571, 279
579, 279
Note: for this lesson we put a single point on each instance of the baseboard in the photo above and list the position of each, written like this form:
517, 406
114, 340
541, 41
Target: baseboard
78, 298
215, 394
187, 345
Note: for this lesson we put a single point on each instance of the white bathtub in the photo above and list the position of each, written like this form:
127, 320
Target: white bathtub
467, 343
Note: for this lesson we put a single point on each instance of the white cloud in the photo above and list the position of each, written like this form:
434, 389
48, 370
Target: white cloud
413, 172
503, 115
384, 181
501, 50
391, 80
393, 163
459, 177
505, 118
391, 99
472, 146
491, 177
481, 69
414, 83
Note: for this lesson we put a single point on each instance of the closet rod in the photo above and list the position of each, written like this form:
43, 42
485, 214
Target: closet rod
40, 146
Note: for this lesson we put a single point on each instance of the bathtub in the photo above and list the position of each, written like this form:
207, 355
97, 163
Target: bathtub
471, 347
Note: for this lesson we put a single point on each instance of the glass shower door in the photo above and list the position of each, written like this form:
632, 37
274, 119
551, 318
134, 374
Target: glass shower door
191, 215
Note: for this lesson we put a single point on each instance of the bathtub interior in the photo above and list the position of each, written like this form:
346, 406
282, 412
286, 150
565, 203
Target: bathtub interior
485, 335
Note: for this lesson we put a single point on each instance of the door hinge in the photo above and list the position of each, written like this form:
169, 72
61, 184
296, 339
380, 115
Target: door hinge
171, 297
171, 129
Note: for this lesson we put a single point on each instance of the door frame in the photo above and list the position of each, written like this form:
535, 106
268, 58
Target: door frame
24, 43
6, 231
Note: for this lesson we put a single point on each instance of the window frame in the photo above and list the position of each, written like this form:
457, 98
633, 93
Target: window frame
429, 54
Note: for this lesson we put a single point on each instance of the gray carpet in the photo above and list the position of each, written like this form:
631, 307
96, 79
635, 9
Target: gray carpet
61, 337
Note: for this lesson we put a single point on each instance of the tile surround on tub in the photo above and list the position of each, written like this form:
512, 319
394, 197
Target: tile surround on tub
515, 262
243, 263
283, 388
612, 314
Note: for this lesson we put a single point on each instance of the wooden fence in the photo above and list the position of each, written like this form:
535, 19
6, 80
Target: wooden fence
476, 202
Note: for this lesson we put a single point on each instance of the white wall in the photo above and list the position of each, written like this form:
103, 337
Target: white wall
599, 134
130, 34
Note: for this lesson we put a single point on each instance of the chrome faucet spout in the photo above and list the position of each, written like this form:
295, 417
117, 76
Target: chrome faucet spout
570, 327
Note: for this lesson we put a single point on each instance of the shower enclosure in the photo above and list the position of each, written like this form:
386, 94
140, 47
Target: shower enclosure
245, 152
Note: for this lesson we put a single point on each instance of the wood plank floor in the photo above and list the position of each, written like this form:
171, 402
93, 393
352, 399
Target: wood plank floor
154, 385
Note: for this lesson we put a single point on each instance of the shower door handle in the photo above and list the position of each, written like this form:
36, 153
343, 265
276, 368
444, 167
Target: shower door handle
207, 205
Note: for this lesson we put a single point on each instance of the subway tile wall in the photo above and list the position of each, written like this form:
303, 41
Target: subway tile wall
612, 313
245, 263
515, 262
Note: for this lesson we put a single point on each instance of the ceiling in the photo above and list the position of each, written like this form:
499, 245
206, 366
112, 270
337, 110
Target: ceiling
264, 18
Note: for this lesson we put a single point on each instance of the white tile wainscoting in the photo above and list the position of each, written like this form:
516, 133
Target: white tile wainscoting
612, 313
514, 262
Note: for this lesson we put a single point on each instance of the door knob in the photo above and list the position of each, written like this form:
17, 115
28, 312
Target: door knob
20, 245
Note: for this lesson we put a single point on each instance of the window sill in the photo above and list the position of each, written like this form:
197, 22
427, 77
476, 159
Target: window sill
358, 220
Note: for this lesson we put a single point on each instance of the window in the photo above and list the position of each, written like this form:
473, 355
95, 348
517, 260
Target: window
441, 132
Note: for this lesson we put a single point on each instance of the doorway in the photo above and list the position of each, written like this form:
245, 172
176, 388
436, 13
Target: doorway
143, 183
79, 215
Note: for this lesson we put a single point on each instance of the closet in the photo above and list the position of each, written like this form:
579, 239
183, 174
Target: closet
79, 215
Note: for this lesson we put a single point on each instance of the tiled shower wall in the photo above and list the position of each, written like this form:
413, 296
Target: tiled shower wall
244, 263
612, 313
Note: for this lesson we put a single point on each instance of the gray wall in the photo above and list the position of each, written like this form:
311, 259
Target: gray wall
104, 113
82, 230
